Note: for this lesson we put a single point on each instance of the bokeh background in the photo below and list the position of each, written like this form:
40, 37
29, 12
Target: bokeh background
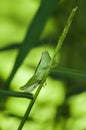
61, 104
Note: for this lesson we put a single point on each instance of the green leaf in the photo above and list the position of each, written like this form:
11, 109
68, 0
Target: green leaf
69, 73
16, 94
10, 47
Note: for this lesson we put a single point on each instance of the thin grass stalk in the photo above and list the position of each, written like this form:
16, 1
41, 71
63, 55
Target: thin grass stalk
59, 44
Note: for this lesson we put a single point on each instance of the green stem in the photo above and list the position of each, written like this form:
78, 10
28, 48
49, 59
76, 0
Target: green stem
59, 44
32, 102
65, 31
16, 94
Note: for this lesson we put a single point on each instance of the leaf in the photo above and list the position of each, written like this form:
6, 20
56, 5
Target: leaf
69, 73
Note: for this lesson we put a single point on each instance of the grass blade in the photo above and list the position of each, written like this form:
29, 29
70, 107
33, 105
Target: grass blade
66, 29
16, 94
69, 73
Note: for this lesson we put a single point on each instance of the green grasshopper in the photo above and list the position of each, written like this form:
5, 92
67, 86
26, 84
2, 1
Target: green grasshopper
39, 73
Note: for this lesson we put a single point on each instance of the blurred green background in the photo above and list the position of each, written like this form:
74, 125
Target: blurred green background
61, 104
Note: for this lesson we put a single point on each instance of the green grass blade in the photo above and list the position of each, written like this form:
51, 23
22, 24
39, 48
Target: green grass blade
69, 73
47, 72
32, 101
16, 94
10, 47
64, 33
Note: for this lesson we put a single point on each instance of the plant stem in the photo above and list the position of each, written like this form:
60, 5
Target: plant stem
59, 44
32, 102
65, 31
